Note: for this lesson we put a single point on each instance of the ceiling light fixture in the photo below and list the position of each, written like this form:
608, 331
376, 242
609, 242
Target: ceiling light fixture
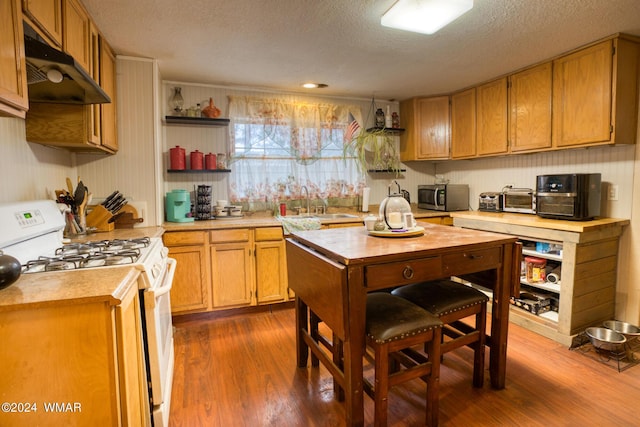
424, 16
314, 85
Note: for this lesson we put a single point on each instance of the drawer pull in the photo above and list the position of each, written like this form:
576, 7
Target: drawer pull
407, 273
472, 256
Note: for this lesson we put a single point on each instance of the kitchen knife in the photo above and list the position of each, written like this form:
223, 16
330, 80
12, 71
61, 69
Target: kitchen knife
109, 198
119, 206
114, 202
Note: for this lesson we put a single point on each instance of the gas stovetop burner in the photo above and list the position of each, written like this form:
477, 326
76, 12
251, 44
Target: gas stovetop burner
88, 255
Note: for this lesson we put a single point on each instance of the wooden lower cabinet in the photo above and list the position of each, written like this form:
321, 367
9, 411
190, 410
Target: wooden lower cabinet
222, 269
270, 265
441, 220
231, 268
191, 284
85, 357
586, 265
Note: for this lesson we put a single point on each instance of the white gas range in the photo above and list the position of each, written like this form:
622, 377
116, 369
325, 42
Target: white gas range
32, 232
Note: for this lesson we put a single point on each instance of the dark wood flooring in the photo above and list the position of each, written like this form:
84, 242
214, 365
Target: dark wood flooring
240, 370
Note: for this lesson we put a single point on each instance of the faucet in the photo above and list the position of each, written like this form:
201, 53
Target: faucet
306, 190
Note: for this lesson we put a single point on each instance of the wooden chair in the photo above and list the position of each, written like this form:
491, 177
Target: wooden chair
450, 302
392, 325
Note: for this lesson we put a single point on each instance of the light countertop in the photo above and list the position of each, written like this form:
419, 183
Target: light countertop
34, 290
529, 220
266, 219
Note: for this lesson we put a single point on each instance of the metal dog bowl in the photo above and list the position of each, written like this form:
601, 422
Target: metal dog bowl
606, 339
627, 329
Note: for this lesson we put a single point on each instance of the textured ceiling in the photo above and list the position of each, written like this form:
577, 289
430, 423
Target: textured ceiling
279, 44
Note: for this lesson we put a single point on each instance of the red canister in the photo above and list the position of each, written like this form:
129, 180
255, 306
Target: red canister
197, 159
210, 161
178, 158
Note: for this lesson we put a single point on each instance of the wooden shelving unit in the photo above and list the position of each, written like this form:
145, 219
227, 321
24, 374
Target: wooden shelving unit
386, 170
199, 121
198, 170
391, 131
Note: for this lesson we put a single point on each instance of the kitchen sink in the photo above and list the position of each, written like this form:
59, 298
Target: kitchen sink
323, 216
335, 216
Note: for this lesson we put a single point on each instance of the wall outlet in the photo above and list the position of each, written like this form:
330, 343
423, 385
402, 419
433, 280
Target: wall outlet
613, 192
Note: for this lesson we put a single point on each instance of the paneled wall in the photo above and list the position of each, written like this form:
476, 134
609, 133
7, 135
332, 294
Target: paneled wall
215, 140
616, 164
30, 171
132, 170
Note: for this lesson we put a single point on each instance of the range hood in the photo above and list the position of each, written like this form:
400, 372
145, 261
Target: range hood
46, 66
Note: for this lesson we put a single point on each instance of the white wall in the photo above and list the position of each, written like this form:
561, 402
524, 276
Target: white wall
132, 171
215, 140
30, 171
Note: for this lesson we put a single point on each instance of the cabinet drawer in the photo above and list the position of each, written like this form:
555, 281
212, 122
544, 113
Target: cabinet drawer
471, 261
224, 236
403, 272
182, 238
268, 233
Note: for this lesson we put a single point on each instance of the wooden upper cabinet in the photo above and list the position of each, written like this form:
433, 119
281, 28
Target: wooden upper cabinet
108, 122
492, 118
45, 16
463, 124
595, 98
13, 72
75, 32
428, 129
94, 130
530, 109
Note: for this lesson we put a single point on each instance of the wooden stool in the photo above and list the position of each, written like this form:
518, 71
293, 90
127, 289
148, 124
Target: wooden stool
394, 324
451, 302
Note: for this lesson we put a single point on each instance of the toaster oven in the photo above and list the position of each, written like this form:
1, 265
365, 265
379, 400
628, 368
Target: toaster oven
520, 200
490, 202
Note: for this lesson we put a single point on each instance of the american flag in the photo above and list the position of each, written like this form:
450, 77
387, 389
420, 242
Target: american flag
352, 128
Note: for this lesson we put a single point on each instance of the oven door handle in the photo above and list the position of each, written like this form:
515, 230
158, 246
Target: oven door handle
168, 278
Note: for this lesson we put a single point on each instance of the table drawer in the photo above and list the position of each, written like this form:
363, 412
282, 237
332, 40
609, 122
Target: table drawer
403, 272
471, 261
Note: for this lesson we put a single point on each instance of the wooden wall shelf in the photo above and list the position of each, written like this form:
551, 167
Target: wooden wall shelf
199, 121
198, 170
391, 131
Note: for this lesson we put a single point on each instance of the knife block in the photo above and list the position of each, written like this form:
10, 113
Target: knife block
99, 217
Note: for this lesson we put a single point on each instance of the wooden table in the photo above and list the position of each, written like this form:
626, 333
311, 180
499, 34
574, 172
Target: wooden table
332, 270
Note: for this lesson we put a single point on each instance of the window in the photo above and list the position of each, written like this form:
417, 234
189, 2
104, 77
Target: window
278, 146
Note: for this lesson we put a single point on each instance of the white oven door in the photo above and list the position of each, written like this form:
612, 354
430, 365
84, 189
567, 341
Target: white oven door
160, 343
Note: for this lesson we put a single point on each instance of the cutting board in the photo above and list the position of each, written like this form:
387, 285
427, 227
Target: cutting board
130, 209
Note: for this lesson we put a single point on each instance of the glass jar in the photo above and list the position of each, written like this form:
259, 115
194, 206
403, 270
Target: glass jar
395, 120
379, 118
222, 160
176, 102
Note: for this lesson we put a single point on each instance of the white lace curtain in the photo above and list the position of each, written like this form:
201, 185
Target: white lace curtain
279, 145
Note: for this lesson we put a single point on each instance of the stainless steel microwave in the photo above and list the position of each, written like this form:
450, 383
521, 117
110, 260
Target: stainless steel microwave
444, 197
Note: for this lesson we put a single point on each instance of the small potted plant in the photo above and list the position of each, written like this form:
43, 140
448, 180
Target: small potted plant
374, 150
